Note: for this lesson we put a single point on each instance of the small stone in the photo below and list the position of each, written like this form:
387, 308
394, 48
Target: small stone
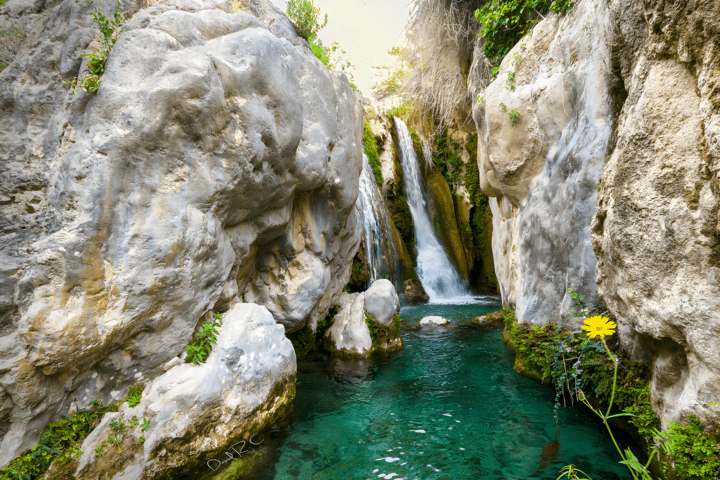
5, 200
433, 320
172, 363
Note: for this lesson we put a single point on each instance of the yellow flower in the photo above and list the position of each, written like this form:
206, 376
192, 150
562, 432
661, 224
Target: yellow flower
598, 326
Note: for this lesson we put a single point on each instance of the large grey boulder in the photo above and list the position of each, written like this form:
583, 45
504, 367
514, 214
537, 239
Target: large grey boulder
382, 302
247, 384
218, 161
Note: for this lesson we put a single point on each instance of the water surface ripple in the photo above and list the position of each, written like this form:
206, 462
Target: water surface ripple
448, 406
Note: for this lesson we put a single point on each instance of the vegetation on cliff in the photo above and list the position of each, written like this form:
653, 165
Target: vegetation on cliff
504, 22
578, 365
371, 150
61, 441
306, 19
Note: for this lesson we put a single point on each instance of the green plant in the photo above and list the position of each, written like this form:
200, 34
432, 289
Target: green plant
401, 111
10, 40
305, 16
447, 160
371, 150
571, 472
372, 325
201, 345
135, 394
145, 425
697, 450
510, 82
109, 33
513, 114
397, 321
60, 442
504, 22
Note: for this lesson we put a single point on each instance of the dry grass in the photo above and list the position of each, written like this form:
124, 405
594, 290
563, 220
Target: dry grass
443, 34
10, 41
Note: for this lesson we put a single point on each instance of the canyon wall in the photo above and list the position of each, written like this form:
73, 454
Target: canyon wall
601, 151
217, 163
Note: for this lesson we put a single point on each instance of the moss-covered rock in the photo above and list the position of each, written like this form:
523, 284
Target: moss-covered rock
448, 225
371, 150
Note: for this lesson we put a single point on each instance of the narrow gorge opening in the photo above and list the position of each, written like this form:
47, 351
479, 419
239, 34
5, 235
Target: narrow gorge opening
471, 239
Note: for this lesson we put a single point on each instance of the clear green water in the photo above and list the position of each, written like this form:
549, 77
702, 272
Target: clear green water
448, 406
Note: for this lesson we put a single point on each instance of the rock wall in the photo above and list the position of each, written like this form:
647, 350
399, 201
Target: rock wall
608, 182
541, 171
218, 162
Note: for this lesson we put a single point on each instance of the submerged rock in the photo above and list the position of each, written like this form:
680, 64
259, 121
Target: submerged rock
218, 161
434, 320
495, 318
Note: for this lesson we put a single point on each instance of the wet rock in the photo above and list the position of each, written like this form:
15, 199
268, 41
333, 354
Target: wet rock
434, 320
494, 319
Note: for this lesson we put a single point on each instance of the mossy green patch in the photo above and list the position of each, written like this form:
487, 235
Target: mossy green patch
448, 226
573, 363
371, 150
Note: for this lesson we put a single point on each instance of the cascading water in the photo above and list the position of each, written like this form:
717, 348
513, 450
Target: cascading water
378, 241
436, 272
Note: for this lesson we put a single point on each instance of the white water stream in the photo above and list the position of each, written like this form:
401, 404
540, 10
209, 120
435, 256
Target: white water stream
376, 228
437, 274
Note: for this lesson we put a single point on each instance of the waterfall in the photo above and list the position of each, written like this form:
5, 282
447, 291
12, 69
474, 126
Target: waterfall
379, 244
437, 274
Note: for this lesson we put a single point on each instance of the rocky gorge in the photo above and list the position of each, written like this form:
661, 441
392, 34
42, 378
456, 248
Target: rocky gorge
222, 179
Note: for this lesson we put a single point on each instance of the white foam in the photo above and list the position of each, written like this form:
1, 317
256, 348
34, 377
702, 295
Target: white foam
418, 431
447, 415
388, 459
387, 475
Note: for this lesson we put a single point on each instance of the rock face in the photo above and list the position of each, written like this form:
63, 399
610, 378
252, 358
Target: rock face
198, 411
609, 181
350, 335
656, 231
541, 173
218, 161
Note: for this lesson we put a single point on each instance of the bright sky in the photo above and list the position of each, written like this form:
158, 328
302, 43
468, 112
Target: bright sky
366, 30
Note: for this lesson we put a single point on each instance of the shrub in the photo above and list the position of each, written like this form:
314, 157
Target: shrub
402, 111
505, 22
447, 160
109, 31
305, 16
697, 453
201, 345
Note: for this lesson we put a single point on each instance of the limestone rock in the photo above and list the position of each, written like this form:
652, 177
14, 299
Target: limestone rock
349, 335
218, 161
434, 320
541, 173
495, 318
617, 148
656, 232
382, 302
247, 384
